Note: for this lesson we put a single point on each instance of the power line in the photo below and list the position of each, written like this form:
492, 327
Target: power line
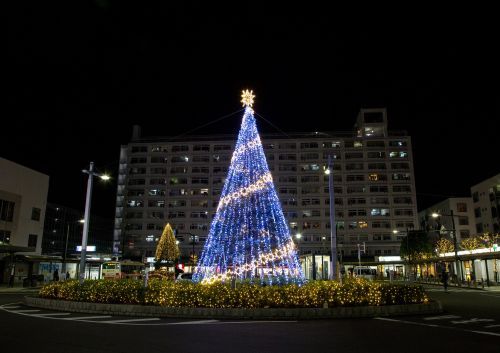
270, 123
207, 124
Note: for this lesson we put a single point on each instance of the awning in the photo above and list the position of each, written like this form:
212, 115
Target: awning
39, 258
11, 249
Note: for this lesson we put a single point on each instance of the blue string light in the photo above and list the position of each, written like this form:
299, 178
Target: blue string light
249, 238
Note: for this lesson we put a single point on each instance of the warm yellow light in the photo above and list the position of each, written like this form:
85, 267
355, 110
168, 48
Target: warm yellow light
247, 98
435, 215
395, 231
327, 171
298, 235
105, 177
81, 221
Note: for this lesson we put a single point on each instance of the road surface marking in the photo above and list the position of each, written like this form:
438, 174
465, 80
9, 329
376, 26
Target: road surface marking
87, 317
25, 311
442, 317
491, 326
490, 295
129, 320
193, 322
471, 321
256, 322
406, 322
485, 333
445, 327
11, 307
52, 314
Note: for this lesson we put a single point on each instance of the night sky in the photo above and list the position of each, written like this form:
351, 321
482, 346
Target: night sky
79, 75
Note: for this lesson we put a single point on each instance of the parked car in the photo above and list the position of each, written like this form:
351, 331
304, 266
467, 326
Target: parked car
185, 277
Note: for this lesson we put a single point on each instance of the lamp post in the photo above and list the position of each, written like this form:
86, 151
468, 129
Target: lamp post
455, 244
298, 236
65, 251
395, 231
333, 226
193, 238
86, 218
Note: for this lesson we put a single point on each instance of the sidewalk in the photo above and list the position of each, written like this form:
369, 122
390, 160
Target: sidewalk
491, 288
5, 289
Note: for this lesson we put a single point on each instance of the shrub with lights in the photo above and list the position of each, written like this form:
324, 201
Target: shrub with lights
356, 292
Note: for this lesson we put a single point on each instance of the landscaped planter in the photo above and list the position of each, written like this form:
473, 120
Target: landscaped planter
235, 313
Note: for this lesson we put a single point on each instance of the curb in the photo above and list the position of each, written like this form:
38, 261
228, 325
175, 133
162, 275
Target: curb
486, 289
236, 313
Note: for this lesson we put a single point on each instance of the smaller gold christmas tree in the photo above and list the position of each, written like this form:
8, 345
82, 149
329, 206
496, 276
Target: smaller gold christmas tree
167, 248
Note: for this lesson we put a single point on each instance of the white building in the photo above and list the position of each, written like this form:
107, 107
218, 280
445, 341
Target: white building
486, 198
462, 220
180, 180
23, 199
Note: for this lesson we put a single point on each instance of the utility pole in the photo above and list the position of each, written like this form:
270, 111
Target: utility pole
333, 227
359, 252
455, 245
64, 266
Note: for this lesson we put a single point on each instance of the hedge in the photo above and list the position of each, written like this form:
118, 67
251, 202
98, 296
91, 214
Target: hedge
314, 294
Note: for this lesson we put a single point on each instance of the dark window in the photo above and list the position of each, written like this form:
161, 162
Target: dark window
461, 207
373, 117
35, 214
32, 240
138, 149
4, 237
6, 210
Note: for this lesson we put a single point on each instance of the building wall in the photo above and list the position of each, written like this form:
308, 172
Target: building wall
63, 232
179, 181
27, 190
486, 198
463, 212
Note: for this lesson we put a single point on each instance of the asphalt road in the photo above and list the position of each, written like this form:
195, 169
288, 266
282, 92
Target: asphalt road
471, 322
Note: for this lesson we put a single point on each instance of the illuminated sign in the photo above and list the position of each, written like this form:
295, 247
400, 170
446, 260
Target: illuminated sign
470, 252
389, 258
89, 248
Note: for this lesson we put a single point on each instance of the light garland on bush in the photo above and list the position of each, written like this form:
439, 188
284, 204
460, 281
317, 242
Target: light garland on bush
355, 292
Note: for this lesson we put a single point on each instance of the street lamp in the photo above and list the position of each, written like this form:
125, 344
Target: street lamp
298, 236
455, 245
193, 238
91, 173
333, 225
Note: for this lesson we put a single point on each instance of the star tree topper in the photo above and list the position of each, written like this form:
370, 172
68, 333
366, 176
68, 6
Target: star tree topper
247, 98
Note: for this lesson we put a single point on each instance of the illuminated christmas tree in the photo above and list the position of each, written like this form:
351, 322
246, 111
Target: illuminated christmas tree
249, 237
167, 248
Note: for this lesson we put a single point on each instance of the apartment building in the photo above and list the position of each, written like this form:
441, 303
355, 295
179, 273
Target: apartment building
486, 199
180, 180
462, 220
63, 230
23, 198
